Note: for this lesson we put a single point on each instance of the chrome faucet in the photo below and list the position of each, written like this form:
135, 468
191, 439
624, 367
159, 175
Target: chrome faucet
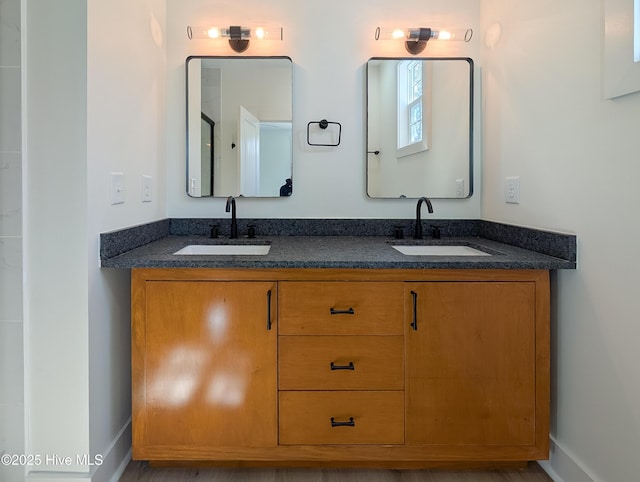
231, 206
418, 232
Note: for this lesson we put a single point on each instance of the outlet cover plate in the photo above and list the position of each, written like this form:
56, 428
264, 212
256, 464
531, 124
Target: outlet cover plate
512, 190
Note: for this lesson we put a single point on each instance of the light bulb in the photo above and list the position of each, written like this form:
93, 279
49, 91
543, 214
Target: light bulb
259, 33
213, 32
461, 34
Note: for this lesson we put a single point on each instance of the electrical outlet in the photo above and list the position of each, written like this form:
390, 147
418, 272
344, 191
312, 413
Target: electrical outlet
459, 187
512, 190
117, 188
146, 189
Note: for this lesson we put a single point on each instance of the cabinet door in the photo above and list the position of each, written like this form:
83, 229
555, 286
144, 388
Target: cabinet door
470, 358
210, 364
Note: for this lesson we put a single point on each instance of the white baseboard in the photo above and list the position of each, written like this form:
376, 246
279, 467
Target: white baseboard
563, 466
114, 461
115, 457
123, 465
58, 477
546, 466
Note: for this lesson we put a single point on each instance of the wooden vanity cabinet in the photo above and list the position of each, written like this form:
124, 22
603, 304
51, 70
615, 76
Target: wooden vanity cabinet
204, 366
471, 363
351, 368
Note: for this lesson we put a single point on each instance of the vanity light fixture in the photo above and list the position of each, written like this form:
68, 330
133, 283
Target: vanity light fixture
238, 36
416, 38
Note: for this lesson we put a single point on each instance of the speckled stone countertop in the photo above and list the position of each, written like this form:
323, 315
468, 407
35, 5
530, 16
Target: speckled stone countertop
330, 251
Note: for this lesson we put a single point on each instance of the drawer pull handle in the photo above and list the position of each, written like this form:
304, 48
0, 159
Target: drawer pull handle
414, 323
350, 311
350, 366
269, 310
350, 423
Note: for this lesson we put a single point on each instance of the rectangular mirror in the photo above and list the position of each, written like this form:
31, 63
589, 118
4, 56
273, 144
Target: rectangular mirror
239, 126
420, 127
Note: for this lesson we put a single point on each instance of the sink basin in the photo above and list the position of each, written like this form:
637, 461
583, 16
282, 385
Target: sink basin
225, 249
438, 250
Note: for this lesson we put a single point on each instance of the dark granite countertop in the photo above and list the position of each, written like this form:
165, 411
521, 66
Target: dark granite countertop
360, 252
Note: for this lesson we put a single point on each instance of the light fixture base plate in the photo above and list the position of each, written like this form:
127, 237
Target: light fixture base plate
239, 45
415, 47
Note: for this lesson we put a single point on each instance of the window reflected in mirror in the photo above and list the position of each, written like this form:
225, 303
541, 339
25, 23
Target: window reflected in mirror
419, 127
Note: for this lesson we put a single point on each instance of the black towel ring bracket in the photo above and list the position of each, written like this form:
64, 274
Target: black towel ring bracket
323, 124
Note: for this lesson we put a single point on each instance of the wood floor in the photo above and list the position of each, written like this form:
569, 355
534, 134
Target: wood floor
140, 471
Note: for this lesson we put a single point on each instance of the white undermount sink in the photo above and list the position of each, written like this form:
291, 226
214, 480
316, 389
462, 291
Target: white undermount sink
225, 249
438, 250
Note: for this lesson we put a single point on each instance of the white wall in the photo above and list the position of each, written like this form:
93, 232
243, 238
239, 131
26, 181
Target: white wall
545, 120
125, 133
94, 93
275, 155
55, 220
11, 325
330, 43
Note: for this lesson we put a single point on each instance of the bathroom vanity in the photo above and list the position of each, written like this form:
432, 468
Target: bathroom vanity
331, 342
355, 367
339, 351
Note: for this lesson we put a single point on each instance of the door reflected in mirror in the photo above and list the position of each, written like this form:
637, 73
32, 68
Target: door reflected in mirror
420, 127
239, 126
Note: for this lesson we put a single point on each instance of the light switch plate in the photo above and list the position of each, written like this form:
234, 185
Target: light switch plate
146, 189
512, 190
117, 188
459, 187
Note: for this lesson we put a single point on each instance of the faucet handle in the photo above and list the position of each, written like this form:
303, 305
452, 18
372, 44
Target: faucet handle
214, 230
435, 231
251, 231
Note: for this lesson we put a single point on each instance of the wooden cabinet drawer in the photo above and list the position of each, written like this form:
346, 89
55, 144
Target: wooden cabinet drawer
340, 308
358, 417
341, 362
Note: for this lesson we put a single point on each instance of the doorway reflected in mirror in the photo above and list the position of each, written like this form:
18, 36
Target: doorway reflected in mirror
248, 100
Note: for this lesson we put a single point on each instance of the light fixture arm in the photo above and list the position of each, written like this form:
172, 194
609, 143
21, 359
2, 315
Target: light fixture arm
416, 45
236, 42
